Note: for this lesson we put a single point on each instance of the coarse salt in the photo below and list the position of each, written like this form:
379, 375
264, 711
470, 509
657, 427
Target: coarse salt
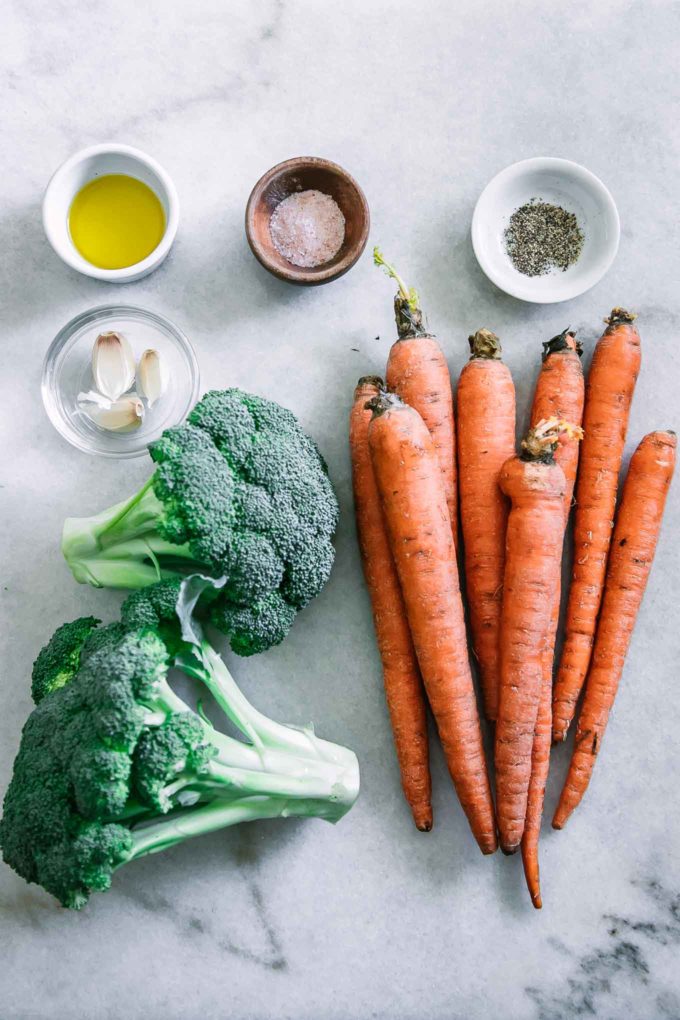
307, 228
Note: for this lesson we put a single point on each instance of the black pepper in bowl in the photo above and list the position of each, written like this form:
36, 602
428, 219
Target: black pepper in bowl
541, 237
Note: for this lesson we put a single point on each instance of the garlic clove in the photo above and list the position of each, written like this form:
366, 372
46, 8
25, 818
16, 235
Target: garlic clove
113, 365
122, 415
152, 376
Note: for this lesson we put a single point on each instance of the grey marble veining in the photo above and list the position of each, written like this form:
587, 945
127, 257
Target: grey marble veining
423, 103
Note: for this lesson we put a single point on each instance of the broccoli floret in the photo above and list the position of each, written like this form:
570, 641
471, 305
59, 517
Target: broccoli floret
114, 765
166, 756
102, 637
253, 629
58, 661
240, 492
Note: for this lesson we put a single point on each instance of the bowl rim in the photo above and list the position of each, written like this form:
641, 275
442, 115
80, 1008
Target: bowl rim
68, 253
87, 317
317, 274
555, 163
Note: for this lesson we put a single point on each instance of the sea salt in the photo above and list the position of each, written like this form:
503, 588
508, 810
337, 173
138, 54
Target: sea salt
307, 228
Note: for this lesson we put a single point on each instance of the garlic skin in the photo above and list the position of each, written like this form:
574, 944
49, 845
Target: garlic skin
123, 415
94, 397
113, 365
152, 376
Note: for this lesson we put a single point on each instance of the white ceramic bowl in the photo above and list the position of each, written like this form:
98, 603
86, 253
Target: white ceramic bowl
560, 182
82, 168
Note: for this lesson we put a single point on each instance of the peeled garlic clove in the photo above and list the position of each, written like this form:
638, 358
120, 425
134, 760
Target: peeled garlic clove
152, 376
113, 365
122, 415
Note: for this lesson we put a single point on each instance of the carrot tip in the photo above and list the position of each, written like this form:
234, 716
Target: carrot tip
509, 850
423, 819
536, 900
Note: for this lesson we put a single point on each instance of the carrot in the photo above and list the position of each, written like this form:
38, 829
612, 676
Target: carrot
638, 523
401, 676
414, 503
559, 393
533, 549
486, 439
417, 372
609, 392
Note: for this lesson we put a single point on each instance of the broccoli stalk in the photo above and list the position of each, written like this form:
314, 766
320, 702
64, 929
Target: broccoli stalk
114, 764
122, 548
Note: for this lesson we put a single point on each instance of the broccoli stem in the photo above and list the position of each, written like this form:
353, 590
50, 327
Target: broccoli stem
294, 780
265, 734
279, 761
121, 547
197, 821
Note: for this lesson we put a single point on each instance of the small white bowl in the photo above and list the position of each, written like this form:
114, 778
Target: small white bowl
83, 167
560, 182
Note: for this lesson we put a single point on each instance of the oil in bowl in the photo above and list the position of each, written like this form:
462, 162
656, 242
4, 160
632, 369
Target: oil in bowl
116, 221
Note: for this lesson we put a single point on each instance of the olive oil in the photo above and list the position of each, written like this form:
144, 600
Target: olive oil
116, 221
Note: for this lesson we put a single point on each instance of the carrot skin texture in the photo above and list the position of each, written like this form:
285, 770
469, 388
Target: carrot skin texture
635, 537
609, 392
533, 552
414, 503
418, 373
559, 393
486, 439
403, 686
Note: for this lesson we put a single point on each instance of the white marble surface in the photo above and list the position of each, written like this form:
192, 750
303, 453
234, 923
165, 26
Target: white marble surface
423, 102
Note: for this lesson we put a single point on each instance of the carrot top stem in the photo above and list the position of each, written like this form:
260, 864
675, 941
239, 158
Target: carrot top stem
407, 309
382, 402
541, 441
620, 315
561, 343
485, 344
371, 380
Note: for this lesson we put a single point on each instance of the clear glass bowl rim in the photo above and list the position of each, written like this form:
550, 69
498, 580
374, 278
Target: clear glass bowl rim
88, 317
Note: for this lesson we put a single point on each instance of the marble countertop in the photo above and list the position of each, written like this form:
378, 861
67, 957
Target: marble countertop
423, 103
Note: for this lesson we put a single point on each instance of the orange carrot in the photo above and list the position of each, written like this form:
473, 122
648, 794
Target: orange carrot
609, 392
559, 393
485, 407
417, 517
533, 550
401, 676
638, 523
417, 372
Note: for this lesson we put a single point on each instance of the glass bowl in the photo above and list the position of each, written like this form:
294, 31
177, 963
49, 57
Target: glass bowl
67, 372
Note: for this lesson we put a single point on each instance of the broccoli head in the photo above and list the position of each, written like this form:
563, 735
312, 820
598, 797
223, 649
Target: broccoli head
239, 492
59, 660
113, 764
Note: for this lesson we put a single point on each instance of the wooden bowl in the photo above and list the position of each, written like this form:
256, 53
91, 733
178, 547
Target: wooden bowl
301, 174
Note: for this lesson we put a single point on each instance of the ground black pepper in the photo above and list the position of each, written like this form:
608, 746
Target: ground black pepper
541, 237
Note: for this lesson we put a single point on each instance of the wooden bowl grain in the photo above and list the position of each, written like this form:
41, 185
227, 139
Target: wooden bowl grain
301, 174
